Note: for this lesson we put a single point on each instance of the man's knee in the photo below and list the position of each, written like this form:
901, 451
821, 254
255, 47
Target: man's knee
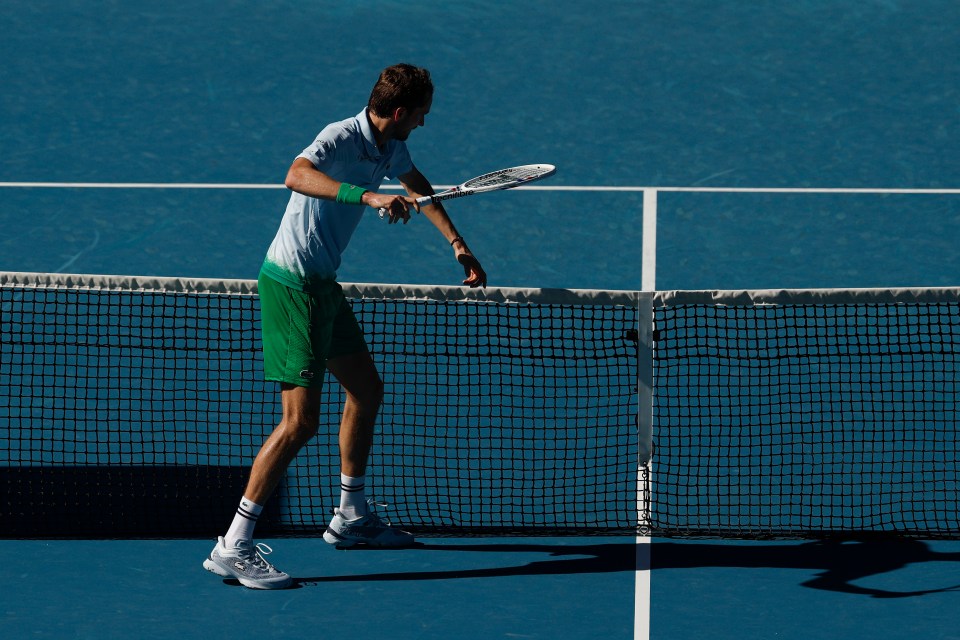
360, 379
370, 394
301, 413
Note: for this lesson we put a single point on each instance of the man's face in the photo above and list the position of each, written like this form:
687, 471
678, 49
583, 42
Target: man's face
410, 120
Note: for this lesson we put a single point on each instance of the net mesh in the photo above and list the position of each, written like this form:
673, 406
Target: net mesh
136, 409
806, 419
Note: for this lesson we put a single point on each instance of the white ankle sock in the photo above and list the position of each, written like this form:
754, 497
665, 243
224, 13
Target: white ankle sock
243, 523
353, 500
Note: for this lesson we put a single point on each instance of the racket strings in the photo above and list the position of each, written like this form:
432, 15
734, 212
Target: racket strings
513, 175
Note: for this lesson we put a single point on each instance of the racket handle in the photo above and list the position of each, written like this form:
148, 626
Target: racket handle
382, 212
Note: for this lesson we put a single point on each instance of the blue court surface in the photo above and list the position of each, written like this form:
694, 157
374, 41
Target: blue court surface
483, 588
154, 99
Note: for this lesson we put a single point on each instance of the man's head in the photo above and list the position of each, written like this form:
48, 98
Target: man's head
400, 86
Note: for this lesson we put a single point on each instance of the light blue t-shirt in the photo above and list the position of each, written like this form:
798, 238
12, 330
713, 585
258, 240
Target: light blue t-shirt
314, 233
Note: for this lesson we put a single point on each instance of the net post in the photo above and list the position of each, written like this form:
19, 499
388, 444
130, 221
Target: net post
645, 334
644, 406
648, 273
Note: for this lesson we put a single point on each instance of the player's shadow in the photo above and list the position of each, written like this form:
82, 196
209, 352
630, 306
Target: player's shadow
563, 559
837, 565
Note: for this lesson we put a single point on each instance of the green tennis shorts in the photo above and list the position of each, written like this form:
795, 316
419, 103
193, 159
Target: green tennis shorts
304, 329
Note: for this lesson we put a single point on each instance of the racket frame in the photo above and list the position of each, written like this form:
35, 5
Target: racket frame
463, 189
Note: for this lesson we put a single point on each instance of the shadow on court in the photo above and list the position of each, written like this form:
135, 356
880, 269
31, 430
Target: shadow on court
566, 559
837, 564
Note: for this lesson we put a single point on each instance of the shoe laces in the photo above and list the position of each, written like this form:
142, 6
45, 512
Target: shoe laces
254, 554
372, 516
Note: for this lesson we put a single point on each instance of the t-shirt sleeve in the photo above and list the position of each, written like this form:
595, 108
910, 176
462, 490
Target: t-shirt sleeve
329, 147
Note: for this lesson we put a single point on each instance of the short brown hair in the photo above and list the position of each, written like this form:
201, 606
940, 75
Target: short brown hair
402, 85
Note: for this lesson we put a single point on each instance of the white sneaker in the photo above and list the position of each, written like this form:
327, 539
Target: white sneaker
246, 563
370, 530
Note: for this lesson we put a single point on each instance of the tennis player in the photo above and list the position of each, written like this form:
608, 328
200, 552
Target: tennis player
308, 326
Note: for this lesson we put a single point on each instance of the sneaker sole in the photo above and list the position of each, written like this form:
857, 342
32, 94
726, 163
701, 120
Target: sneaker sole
213, 567
340, 542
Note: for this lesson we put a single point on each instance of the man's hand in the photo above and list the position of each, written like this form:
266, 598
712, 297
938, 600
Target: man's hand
476, 276
397, 207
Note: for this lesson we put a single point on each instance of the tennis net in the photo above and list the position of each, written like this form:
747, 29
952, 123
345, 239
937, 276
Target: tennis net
135, 406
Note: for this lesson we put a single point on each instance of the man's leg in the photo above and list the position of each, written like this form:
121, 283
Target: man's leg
364, 393
358, 376
235, 555
301, 418
353, 523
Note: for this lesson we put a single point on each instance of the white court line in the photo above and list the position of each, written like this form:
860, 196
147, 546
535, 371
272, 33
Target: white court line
139, 185
641, 613
224, 185
232, 185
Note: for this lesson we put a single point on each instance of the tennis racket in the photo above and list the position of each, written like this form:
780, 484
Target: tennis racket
493, 181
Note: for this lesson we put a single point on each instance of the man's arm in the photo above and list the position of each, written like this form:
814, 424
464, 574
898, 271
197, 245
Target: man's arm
305, 178
417, 186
